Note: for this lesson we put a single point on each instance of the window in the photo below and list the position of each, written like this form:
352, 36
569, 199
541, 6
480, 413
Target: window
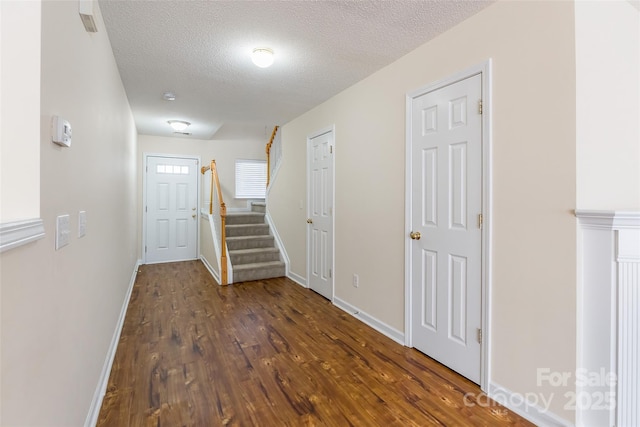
251, 179
182, 170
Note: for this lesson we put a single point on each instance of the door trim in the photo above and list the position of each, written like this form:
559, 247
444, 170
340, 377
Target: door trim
484, 69
145, 156
329, 129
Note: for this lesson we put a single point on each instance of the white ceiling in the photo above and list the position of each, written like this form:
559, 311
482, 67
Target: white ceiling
200, 50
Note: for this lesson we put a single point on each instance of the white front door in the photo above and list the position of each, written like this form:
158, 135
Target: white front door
446, 201
320, 213
171, 217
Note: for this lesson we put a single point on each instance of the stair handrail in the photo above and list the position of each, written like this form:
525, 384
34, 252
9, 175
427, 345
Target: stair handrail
215, 179
268, 150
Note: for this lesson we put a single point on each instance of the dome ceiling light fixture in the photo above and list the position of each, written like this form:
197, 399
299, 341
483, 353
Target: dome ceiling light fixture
169, 96
262, 56
179, 125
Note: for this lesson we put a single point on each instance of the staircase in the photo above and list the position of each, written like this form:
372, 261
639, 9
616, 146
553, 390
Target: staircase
252, 250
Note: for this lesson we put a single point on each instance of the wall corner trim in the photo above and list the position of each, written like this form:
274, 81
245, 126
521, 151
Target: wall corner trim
18, 233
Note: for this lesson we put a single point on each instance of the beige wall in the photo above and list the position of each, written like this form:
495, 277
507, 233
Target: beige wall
608, 105
534, 190
60, 308
19, 110
224, 151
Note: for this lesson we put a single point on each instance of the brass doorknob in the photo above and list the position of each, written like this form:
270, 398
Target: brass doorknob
309, 221
415, 235
193, 216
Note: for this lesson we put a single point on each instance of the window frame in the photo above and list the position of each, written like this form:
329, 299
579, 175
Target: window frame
256, 187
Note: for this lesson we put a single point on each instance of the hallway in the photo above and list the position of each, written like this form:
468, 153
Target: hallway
270, 353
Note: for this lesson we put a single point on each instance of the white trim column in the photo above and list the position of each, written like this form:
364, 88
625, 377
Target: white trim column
608, 347
628, 260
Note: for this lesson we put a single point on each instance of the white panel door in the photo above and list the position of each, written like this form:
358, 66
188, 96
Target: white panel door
320, 214
171, 209
446, 200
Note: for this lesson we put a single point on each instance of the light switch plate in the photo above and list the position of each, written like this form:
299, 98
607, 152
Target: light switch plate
82, 223
63, 231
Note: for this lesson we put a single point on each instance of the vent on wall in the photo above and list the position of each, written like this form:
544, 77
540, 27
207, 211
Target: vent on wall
85, 8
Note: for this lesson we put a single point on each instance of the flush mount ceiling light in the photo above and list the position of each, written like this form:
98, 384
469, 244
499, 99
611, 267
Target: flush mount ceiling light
169, 96
179, 125
262, 57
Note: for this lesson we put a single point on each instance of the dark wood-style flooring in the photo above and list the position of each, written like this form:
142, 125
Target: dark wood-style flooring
270, 353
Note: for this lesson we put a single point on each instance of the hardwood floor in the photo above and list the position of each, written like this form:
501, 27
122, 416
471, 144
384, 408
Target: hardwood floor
270, 353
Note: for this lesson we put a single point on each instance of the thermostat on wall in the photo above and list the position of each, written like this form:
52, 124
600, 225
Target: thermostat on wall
61, 131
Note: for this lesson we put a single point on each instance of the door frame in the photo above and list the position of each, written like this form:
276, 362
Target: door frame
145, 156
329, 129
484, 69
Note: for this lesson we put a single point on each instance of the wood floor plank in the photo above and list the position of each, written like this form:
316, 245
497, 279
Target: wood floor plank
270, 353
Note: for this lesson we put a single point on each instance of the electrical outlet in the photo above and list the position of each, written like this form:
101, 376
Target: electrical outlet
356, 280
82, 223
63, 231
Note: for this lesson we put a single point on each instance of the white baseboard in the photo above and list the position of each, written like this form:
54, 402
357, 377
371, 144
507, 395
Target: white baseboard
215, 275
376, 324
518, 404
98, 396
297, 278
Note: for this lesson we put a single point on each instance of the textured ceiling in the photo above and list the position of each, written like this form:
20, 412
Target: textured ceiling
200, 50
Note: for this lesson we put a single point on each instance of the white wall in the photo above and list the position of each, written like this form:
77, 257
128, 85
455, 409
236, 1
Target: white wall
534, 190
60, 308
608, 105
19, 110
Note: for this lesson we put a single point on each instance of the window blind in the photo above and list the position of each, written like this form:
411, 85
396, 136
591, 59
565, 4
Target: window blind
251, 179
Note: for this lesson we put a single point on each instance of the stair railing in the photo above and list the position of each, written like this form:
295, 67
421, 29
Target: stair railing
274, 157
216, 194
